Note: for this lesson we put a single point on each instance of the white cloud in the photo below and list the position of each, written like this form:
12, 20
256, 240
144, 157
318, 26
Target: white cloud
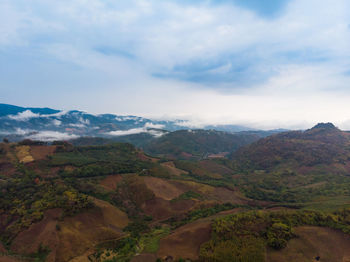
20, 131
156, 133
51, 136
84, 121
28, 114
56, 122
151, 125
128, 132
24, 116
78, 125
45, 135
125, 118
147, 128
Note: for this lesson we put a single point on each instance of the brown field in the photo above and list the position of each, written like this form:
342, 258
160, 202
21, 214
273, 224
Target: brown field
113, 217
84, 257
41, 152
8, 259
185, 241
43, 232
84, 231
161, 209
144, 258
219, 194
141, 155
194, 186
111, 182
225, 195
162, 188
7, 168
76, 237
170, 166
329, 244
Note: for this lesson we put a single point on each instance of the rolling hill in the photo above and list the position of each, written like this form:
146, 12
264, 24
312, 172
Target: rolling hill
295, 166
196, 144
60, 202
277, 198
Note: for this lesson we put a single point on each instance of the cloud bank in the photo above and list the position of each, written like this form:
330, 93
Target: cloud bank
51, 136
149, 128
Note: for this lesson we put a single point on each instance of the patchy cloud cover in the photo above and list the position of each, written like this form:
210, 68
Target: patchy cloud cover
273, 63
24, 116
51, 136
147, 128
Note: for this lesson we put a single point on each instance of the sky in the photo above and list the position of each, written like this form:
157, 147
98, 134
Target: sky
264, 64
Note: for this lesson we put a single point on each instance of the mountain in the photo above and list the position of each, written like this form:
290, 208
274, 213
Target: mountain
296, 166
196, 144
48, 124
322, 144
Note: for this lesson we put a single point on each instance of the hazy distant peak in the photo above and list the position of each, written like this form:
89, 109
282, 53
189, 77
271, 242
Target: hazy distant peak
328, 126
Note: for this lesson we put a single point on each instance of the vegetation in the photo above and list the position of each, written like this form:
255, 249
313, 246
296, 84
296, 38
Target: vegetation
245, 236
24, 197
197, 144
140, 239
295, 167
201, 213
149, 243
306, 170
188, 195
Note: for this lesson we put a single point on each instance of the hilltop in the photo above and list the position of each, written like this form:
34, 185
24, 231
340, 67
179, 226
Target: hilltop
297, 165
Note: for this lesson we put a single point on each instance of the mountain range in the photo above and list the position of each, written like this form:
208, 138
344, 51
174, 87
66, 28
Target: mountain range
48, 124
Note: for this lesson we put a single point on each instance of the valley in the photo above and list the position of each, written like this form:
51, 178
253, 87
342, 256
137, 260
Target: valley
267, 200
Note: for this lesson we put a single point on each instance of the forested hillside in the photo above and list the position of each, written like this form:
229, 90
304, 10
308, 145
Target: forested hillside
267, 201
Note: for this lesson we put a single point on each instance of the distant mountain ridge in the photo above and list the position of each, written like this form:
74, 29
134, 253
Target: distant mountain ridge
49, 124
6, 109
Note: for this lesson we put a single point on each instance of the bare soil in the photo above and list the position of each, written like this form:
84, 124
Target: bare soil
111, 182
144, 258
185, 241
328, 244
41, 233
84, 231
8, 259
42, 152
75, 237
162, 188
161, 209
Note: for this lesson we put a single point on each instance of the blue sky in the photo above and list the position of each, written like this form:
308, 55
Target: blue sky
272, 63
